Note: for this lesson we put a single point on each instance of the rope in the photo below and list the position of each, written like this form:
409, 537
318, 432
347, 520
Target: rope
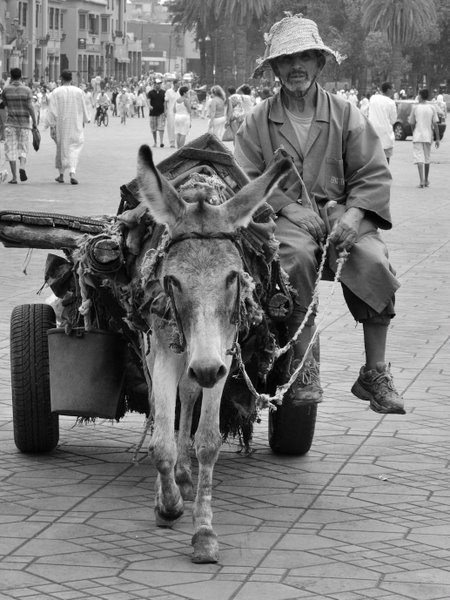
265, 400
149, 420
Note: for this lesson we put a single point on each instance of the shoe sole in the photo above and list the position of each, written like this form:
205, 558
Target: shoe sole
360, 392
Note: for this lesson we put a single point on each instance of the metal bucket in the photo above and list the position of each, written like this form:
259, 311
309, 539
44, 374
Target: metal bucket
87, 372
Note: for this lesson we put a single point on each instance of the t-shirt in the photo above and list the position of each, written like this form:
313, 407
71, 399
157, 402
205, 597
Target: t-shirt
301, 126
18, 99
156, 98
423, 116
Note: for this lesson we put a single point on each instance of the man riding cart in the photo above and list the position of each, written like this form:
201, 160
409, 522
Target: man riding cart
341, 162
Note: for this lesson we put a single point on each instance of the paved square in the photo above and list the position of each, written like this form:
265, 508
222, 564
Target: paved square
364, 515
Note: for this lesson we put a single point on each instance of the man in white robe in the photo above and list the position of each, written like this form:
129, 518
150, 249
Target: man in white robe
67, 115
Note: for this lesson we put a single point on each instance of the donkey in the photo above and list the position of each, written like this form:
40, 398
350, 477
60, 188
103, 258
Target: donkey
202, 273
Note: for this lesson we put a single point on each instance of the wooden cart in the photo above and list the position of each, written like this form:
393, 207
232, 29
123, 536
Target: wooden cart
33, 333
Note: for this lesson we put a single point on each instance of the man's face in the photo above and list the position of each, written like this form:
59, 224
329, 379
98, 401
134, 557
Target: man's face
298, 71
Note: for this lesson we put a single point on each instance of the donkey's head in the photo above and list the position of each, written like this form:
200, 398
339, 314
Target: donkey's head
202, 270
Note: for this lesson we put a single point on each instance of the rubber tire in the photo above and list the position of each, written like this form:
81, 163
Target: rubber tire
105, 120
291, 428
36, 428
399, 132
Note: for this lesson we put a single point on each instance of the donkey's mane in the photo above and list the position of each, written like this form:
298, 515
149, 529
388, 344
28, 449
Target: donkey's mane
203, 188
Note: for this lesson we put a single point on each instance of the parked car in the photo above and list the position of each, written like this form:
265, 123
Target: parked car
402, 128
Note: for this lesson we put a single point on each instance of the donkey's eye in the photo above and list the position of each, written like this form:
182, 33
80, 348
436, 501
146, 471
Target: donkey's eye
231, 278
174, 282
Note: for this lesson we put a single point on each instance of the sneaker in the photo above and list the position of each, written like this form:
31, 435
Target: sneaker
306, 389
377, 386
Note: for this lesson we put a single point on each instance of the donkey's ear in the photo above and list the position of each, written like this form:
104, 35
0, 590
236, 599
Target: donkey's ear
161, 199
242, 206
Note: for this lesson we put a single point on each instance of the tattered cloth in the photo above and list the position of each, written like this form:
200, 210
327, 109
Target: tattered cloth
257, 336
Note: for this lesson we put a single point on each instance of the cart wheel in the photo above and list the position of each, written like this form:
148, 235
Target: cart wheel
291, 428
36, 428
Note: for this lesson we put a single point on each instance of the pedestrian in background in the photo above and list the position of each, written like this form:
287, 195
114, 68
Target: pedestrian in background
182, 116
156, 97
382, 115
123, 105
247, 100
364, 105
102, 102
217, 108
114, 95
18, 100
67, 115
170, 99
141, 103
235, 110
424, 120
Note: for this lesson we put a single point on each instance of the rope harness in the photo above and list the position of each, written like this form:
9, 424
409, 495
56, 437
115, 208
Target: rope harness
264, 400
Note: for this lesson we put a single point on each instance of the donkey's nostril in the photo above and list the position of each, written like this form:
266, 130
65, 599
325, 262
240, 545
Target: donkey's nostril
221, 372
207, 376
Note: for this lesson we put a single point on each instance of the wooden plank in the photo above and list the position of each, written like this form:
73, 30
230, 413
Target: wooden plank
48, 238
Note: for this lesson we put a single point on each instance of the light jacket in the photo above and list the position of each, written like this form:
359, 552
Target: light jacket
342, 161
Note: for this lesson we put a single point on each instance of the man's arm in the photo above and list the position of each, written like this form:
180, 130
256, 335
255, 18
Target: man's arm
393, 113
437, 137
31, 110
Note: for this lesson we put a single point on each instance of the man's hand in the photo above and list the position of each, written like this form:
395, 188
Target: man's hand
306, 219
345, 232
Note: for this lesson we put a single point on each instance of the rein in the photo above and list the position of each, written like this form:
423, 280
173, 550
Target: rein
264, 400
233, 237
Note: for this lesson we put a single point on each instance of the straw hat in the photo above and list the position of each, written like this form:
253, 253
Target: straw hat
291, 35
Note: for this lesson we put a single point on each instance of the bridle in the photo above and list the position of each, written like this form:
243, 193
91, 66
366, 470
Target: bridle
235, 319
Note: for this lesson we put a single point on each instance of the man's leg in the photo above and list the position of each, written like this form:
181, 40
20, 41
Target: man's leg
420, 168
427, 156
427, 171
12, 164
375, 383
375, 337
11, 151
419, 159
22, 172
299, 258
22, 146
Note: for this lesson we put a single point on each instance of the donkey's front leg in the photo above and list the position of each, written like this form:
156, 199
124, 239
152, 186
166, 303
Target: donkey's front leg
189, 392
166, 371
207, 446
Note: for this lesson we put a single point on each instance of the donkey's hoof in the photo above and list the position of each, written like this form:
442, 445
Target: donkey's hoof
206, 547
167, 519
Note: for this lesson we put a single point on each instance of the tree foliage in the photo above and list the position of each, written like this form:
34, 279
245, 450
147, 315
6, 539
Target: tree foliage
402, 40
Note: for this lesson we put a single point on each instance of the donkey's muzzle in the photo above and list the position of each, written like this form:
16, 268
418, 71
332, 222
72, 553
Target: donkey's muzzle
207, 375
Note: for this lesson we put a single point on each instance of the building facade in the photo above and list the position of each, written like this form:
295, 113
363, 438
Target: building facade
88, 37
